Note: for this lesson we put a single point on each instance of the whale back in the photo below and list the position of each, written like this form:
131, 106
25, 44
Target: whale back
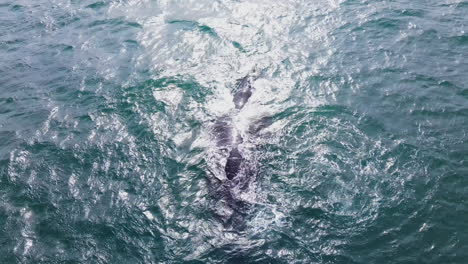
236, 168
242, 92
235, 159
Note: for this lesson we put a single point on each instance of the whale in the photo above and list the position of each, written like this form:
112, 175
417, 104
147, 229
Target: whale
227, 135
238, 171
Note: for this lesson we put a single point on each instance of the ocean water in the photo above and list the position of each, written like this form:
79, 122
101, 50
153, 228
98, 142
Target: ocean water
107, 153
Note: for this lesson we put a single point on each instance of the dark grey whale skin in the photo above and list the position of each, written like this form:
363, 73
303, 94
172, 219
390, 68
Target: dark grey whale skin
227, 139
225, 132
239, 171
243, 92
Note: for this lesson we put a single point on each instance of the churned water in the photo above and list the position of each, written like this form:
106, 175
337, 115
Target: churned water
107, 153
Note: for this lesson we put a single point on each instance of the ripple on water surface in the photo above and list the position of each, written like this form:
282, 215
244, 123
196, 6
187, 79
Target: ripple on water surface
107, 152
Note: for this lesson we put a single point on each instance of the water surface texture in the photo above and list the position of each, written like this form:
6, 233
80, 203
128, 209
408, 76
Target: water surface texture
107, 153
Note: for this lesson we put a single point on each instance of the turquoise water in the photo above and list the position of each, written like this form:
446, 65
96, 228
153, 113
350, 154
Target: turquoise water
107, 153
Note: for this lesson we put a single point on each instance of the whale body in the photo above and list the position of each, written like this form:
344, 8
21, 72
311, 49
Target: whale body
227, 135
236, 169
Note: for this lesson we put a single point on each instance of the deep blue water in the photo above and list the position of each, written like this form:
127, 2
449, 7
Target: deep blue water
107, 153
